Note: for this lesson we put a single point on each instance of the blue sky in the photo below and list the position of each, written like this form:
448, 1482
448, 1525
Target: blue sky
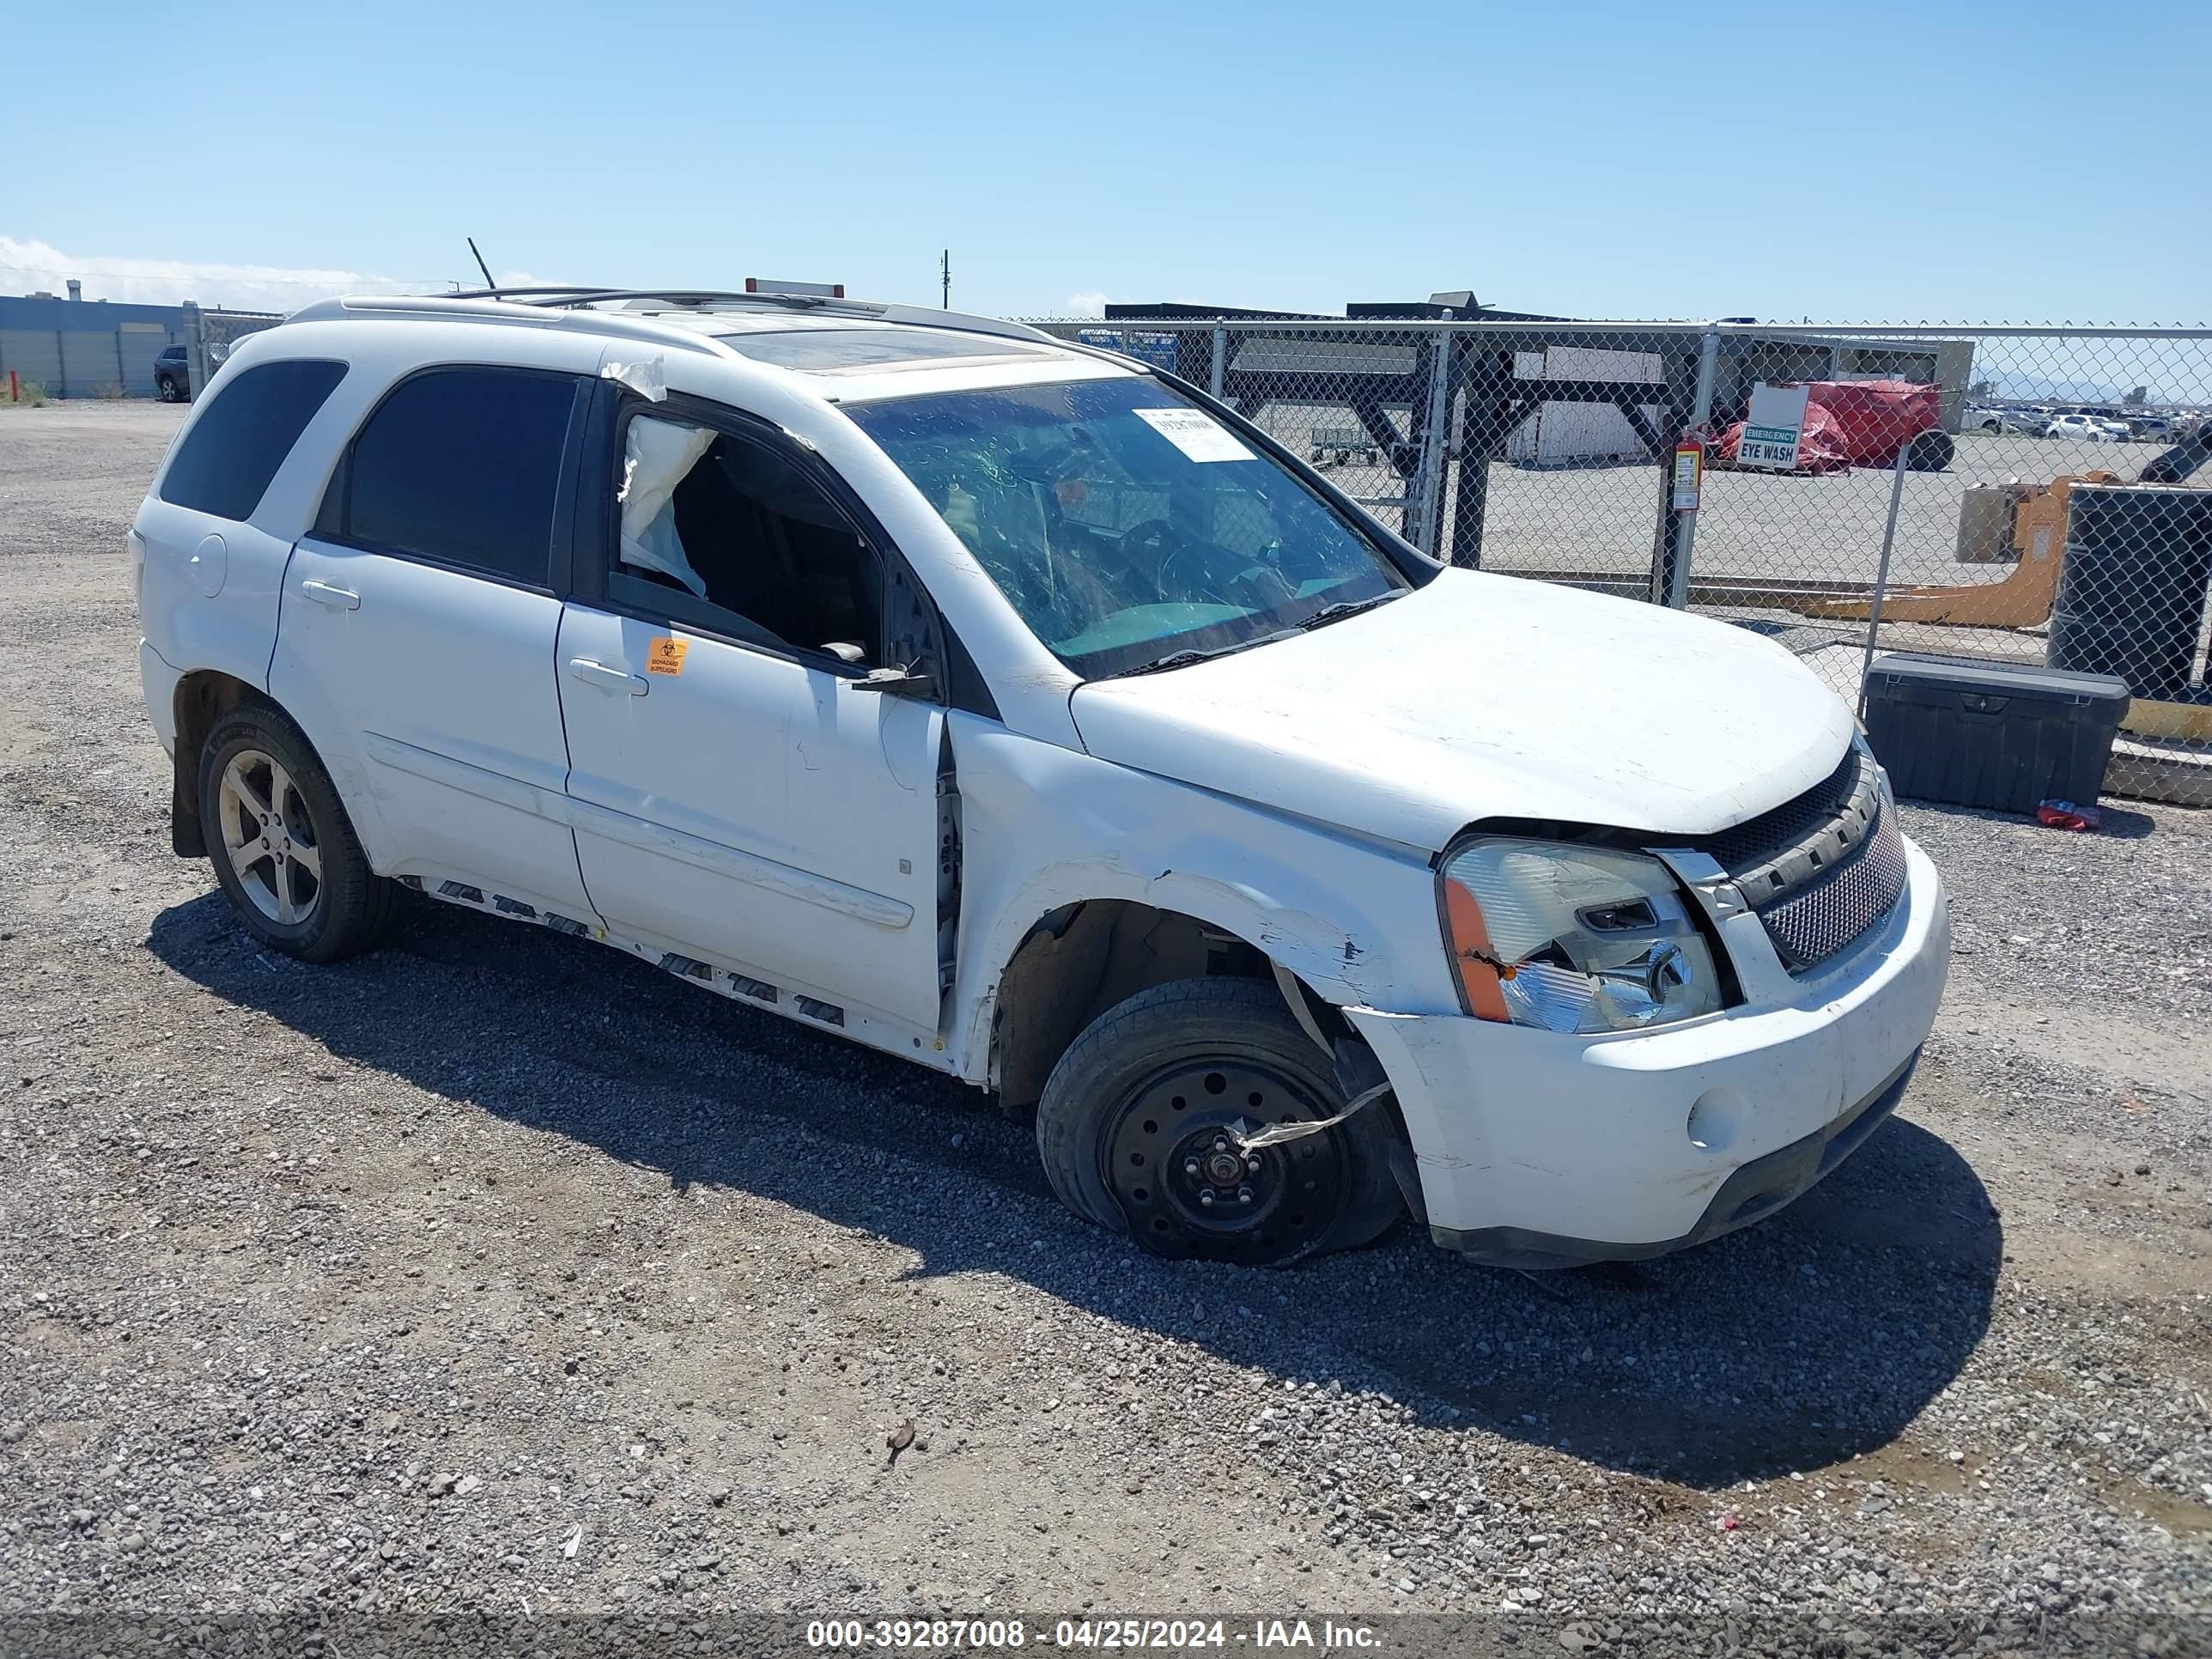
2019, 161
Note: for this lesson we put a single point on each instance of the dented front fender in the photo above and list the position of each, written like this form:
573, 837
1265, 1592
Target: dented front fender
1044, 827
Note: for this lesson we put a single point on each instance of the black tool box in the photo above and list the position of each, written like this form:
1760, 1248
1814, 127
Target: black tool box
2005, 736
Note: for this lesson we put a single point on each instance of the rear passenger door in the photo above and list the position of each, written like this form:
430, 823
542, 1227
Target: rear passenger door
419, 621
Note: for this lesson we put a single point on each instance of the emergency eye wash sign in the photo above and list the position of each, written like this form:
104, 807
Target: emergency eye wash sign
1773, 427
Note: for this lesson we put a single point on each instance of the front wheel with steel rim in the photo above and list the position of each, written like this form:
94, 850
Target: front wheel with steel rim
1140, 1123
284, 851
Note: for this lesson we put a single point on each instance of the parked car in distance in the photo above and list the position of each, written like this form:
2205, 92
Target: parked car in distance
172, 375
1983, 420
2085, 428
1019, 710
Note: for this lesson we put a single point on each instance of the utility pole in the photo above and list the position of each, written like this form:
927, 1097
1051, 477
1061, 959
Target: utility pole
945, 280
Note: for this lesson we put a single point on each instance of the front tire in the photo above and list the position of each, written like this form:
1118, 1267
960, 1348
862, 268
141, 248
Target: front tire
1135, 1130
284, 851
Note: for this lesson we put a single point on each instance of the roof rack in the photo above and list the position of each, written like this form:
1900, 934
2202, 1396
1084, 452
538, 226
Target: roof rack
630, 309
561, 296
564, 297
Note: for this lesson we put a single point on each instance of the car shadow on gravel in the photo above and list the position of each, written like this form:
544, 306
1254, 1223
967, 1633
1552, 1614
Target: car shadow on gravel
1811, 1338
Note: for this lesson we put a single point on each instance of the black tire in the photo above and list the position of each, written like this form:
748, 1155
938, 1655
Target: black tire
346, 907
1146, 1092
1931, 452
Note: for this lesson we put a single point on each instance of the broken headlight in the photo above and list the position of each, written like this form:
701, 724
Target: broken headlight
1573, 939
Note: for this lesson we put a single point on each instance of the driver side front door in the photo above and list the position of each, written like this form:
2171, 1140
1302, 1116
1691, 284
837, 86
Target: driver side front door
741, 798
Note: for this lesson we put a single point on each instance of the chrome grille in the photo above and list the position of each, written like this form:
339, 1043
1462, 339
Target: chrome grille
1812, 924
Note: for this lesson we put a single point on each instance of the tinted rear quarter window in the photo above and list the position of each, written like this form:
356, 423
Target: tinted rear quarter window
462, 466
243, 436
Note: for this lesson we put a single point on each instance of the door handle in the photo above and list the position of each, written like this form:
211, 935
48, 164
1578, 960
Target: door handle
610, 679
337, 599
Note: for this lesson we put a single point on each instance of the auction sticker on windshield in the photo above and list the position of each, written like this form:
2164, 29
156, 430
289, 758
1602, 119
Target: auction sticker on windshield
1196, 433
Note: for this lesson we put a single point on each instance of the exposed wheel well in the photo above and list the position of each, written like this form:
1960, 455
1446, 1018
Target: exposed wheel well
1085, 958
203, 698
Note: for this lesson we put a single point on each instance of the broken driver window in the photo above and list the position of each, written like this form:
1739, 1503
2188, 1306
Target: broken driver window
743, 527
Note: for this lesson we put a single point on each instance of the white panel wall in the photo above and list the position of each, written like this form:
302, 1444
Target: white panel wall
1568, 434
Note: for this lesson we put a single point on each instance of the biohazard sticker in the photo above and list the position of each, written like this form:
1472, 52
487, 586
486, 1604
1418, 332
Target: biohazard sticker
664, 655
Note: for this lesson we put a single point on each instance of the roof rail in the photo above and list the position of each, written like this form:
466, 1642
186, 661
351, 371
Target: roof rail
563, 297
559, 296
620, 325
628, 311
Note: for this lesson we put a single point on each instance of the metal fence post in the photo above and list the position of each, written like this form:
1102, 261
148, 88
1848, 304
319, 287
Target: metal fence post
1679, 375
1881, 574
196, 369
1430, 490
1701, 413
1220, 362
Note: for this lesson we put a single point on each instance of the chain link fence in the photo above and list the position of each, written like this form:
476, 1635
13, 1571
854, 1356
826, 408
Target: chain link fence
209, 335
2022, 494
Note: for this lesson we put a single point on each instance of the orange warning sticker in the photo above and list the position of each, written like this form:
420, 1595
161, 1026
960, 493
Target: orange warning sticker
666, 655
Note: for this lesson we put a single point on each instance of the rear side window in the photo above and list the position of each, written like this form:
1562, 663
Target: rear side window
461, 466
241, 438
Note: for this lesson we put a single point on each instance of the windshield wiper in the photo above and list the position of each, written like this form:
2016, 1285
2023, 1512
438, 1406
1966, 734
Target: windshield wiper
1190, 655
1343, 608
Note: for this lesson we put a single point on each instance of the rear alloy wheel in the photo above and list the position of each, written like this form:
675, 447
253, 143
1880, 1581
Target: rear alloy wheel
284, 851
269, 837
1139, 1124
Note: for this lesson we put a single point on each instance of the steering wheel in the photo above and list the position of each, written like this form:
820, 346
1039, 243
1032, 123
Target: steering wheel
1167, 545
1163, 542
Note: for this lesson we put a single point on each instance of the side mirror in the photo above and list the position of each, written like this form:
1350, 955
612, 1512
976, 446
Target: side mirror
898, 682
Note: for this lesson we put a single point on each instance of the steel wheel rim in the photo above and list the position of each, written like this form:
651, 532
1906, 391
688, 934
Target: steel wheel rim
270, 838
1183, 1115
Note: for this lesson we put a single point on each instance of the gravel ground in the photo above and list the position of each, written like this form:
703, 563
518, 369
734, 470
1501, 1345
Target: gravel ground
497, 1272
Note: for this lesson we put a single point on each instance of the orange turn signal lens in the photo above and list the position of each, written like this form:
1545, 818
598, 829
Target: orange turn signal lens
1479, 973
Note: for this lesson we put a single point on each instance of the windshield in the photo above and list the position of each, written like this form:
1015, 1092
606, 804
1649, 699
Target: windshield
1126, 524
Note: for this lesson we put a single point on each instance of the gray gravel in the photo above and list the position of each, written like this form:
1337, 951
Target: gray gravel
497, 1272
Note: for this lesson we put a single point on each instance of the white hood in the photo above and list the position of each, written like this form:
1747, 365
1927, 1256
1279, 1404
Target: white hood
1483, 697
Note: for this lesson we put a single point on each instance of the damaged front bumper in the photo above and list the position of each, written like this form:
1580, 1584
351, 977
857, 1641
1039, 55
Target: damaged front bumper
1536, 1149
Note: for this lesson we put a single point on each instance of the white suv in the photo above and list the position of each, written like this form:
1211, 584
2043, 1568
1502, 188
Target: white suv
1018, 709
2086, 428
